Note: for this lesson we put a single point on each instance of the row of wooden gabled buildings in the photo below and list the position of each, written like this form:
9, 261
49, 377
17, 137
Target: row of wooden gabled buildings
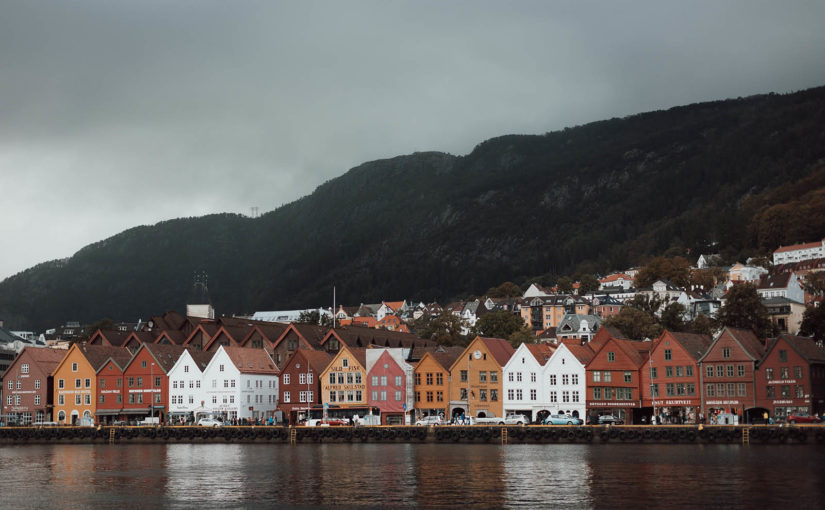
217, 367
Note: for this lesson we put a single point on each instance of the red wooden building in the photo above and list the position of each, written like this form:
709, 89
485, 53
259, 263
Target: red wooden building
109, 389
300, 385
728, 374
388, 387
613, 382
145, 381
670, 383
791, 377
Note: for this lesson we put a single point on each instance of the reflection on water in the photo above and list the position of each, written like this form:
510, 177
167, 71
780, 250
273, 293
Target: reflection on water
427, 475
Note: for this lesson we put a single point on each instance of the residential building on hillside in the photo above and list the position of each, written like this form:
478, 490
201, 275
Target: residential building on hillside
578, 327
798, 252
781, 285
785, 314
616, 281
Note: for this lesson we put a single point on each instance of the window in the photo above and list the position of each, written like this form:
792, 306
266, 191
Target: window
383, 382
769, 374
60, 400
654, 390
771, 391
608, 376
668, 354
302, 378
358, 379
383, 396
597, 376
680, 371
11, 384
726, 352
374, 380
553, 380
482, 377
19, 384
800, 392
142, 364
24, 368
9, 400
345, 362
730, 370
332, 396
628, 377
709, 370
220, 368
429, 396
87, 383
797, 372
439, 377
186, 369
689, 370
740, 370
140, 398
518, 376
668, 371
720, 389
463, 376
493, 378
731, 389
783, 355
669, 390
611, 356
493, 395
286, 378
597, 394
463, 395
510, 376
37, 400
398, 396
574, 379
482, 395
398, 381
511, 394
720, 370
302, 396
417, 379
784, 373
532, 377
533, 395
77, 400
786, 391
690, 388
74, 367
565, 379
37, 384
575, 396
741, 390
554, 398
654, 373
140, 382
77, 383
429, 378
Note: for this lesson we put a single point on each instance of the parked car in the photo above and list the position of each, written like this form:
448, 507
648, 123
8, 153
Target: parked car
429, 420
562, 419
331, 422
609, 419
794, 418
209, 421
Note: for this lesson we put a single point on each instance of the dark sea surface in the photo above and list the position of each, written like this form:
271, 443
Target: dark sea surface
215, 476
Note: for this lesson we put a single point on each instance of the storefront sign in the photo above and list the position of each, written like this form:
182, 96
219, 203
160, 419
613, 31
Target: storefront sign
722, 402
687, 402
782, 381
620, 403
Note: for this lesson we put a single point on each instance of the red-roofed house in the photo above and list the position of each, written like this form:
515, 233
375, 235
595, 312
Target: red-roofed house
27, 385
791, 377
797, 252
300, 385
613, 379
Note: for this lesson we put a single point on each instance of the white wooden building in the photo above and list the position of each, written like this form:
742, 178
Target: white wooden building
240, 382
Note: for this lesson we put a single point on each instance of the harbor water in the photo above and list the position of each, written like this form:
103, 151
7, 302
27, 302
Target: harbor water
411, 475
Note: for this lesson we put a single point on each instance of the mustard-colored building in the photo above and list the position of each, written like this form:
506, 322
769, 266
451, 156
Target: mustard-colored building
432, 382
476, 378
75, 381
344, 382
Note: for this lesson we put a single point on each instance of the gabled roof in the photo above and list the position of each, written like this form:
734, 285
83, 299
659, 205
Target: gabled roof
499, 348
806, 347
541, 352
98, 355
359, 353
318, 360
393, 305
165, 355
746, 339
694, 344
251, 361
774, 281
354, 336
109, 337
583, 353
174, 337
794, 247
45, 358
310, 333
269, 332
446, 356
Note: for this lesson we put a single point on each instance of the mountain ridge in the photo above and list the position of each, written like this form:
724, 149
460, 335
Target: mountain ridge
432, 226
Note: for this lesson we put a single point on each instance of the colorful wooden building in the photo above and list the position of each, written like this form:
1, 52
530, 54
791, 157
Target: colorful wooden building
28, 387
791, 377
475, 378
432, 381
613, 379
300, 385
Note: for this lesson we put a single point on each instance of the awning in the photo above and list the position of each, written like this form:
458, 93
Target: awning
134, 411
108, 412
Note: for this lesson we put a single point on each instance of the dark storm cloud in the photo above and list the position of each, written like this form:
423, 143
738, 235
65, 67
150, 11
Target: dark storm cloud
114, 114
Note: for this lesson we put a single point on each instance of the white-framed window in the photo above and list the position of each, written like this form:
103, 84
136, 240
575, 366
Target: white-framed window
74, 367
186, 369
302, 378
286, 378
11, 384
309, 378
398, 382
220, 368
19, 384
24, 368
37, 384
37, 400
9, 400
302, 396
397, 396
17, 400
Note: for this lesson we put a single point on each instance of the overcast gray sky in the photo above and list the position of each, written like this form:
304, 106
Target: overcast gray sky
115, 114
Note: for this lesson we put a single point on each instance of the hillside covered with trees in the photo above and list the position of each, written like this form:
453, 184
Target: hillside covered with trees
737, 177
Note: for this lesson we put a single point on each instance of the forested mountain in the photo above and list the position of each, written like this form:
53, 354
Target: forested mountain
747, 174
